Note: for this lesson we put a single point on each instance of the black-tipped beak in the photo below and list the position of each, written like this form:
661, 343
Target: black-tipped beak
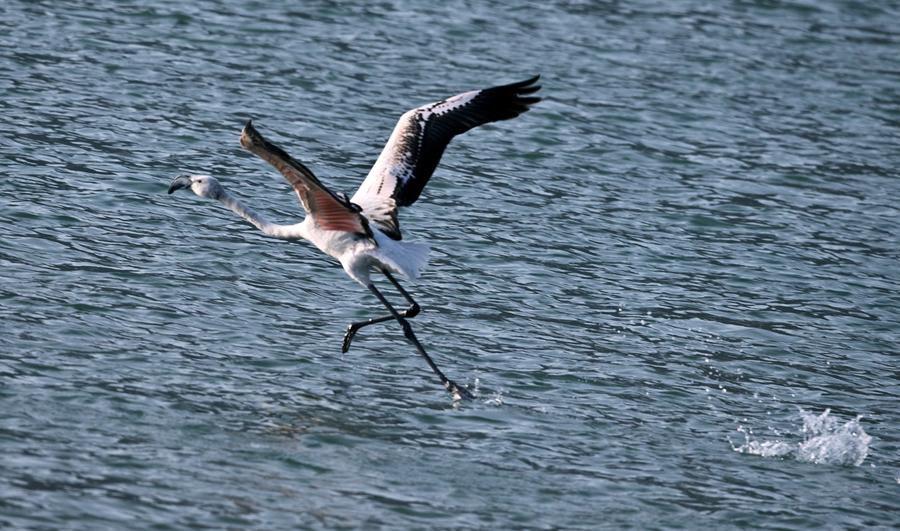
182, 181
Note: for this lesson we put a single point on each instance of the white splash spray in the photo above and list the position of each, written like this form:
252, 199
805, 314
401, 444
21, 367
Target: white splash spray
824, 441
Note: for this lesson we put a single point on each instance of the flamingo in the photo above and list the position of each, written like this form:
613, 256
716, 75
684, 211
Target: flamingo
363, 232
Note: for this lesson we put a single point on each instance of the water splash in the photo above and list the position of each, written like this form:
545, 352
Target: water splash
824, 441
495, 400
827, 441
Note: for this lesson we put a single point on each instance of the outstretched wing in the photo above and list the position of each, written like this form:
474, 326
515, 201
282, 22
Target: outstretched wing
327, 210
419, 139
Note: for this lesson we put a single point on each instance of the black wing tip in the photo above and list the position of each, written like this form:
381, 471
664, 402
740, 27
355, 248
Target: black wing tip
526, 86
519, 91
250, 136
523, 98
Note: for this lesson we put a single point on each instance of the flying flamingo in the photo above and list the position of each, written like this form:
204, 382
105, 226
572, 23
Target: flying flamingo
363, 232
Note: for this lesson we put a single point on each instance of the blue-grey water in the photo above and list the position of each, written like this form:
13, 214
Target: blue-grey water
674, 285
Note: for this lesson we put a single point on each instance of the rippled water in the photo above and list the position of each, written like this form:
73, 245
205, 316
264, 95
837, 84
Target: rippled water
692, 239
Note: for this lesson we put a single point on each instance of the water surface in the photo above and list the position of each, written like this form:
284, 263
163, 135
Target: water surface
655, 281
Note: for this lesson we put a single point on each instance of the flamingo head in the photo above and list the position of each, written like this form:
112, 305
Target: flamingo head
202, 185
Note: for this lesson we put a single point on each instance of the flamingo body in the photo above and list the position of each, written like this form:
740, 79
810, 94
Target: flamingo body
363, 233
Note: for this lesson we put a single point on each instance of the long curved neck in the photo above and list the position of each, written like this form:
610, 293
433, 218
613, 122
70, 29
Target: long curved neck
285, 232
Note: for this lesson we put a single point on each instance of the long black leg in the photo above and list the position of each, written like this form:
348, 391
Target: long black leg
407, 296
451, 386
410, 312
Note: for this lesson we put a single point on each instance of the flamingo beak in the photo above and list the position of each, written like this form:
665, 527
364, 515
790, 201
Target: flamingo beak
182, 181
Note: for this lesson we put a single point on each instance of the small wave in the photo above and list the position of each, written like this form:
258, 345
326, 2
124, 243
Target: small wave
824, 441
